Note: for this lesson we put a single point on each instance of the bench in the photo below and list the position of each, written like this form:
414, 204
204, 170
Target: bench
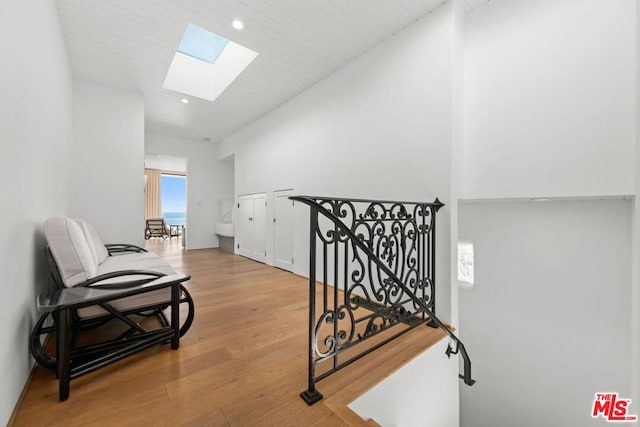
94, 284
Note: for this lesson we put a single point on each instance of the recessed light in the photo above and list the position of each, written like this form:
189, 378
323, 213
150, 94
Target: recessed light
540, 199
237, 24
184, 100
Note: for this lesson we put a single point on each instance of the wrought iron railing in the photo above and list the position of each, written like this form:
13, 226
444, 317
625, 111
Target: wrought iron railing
377, 271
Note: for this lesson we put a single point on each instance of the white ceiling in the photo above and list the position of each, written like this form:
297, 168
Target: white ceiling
129, 44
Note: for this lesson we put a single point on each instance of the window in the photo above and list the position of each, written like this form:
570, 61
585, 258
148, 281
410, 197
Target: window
174, 199
465, 264
202, 44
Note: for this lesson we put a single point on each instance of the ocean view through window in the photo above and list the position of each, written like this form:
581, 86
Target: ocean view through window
174, 199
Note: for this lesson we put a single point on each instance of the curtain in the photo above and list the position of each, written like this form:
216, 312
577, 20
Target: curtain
152, 206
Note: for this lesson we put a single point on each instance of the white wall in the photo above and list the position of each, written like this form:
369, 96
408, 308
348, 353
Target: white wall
208, 181
35, 140
635, 294
547, 323
549, 109
419, 406
457, 144
380, 127
107, 184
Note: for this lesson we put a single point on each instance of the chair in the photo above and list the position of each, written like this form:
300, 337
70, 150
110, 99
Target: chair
156, 227
83, 267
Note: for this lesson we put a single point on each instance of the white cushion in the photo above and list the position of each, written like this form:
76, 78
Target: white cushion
133, 261
70, 250
98, 249
82, 248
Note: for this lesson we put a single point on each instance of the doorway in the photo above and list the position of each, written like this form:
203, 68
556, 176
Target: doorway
166, 196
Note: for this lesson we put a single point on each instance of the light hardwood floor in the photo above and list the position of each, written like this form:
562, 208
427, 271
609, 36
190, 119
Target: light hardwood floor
243, 363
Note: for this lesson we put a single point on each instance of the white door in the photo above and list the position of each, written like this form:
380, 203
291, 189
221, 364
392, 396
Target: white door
259, 220
244, 222
283, 230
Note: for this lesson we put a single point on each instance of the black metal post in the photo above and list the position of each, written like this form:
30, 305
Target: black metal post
336, 247
63, 334
432, 263
466, 377
311, 395
175, 315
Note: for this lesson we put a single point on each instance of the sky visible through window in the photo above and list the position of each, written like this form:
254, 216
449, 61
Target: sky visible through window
202, 44
174, 199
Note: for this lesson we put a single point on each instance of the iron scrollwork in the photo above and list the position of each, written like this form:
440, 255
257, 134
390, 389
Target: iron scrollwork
376, 264
399, 235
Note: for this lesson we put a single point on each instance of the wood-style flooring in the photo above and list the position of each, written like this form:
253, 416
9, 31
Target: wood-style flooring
243, 362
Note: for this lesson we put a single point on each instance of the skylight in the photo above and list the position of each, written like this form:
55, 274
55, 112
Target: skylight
205, 64
202, 44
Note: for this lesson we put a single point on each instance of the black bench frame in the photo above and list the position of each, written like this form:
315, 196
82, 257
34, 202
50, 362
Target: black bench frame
63, 302
60, 317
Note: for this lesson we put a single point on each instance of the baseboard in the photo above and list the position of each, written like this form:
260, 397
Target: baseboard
14, 413
27, 383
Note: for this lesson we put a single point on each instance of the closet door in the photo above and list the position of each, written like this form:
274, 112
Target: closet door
244, 222
283, 230
259, 220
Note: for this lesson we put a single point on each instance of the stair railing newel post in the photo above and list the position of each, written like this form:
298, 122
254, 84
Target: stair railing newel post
311, 395
435, 207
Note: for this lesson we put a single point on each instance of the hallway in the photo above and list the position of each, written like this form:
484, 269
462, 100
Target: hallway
242, 363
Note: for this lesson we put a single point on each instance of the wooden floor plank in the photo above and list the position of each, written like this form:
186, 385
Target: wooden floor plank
243, 363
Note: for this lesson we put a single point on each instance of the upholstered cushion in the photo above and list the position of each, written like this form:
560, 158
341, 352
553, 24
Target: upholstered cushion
134, 261
76, 249
98, 249
70, 250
